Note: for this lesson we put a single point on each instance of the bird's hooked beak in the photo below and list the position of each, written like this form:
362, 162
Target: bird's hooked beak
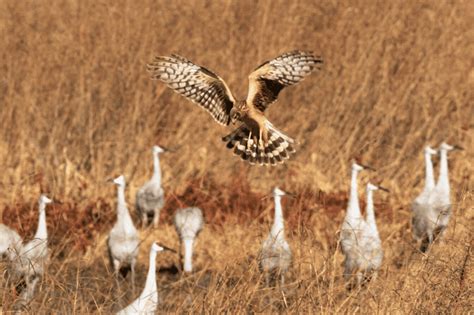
367, 167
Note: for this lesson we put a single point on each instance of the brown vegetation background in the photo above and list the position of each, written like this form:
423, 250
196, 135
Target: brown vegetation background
77, 107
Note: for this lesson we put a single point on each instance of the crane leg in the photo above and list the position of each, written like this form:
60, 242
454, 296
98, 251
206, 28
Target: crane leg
360, 278
267, 279
144, 220
374, 275
27, 295
133, 275
156, 219
116, 272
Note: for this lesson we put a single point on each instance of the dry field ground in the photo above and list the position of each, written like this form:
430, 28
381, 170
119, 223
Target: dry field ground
77, 107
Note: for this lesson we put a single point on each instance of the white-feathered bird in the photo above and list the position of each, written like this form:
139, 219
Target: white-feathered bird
147, 302
10, 242
276, 253
371, 249
352, 229
422, 211
188, 223
150, 197
440, 199
30, 263
123, 241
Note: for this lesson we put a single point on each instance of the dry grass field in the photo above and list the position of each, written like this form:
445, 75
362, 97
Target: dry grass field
77, 107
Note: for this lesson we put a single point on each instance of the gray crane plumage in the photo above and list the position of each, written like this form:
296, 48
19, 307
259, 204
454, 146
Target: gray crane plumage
276, 254
371, 245
30, 262
123, 241
440, 196
150, 197
423, 215
353, 232
10, 242
188, 223
147, 302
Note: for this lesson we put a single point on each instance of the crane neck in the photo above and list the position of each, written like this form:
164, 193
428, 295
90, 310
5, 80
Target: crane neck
443, 179
188, 254
429, 173
123, 216
150, 284
370, 216
41, 231
278, 228
353, 208
156, 168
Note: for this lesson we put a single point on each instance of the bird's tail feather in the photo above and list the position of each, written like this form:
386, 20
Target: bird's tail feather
278, 148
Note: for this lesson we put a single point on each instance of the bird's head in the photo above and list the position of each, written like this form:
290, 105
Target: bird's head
372, 187
359, 167
119, 181
430, 151
234, 115
446, 147
44, 200
156, 247
157, 149
277, 192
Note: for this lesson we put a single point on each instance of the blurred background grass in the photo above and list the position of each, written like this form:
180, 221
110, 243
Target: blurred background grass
77, 107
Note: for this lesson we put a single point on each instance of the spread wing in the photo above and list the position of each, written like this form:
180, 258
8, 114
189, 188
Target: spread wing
196, 83
266, 82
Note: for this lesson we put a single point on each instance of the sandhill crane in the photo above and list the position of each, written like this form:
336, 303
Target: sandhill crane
276, 253
188, 223
440, 198
10, 242
423, 217
147, 302
151, 197
31, 260
371, 249
352, 229
123, 241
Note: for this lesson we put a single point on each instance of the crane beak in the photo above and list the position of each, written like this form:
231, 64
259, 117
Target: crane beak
458, 147
167, 248
367, 167
291, 195
384, 189
172, 149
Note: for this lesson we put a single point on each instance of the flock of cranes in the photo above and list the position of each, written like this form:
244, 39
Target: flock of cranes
432, 208
359, 237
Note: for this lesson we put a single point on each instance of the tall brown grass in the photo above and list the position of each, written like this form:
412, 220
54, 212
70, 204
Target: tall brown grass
77, 107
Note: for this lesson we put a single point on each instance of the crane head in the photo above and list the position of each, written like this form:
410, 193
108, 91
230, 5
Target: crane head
157, 149
156, 247
430, 151
120, 181
44, 200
